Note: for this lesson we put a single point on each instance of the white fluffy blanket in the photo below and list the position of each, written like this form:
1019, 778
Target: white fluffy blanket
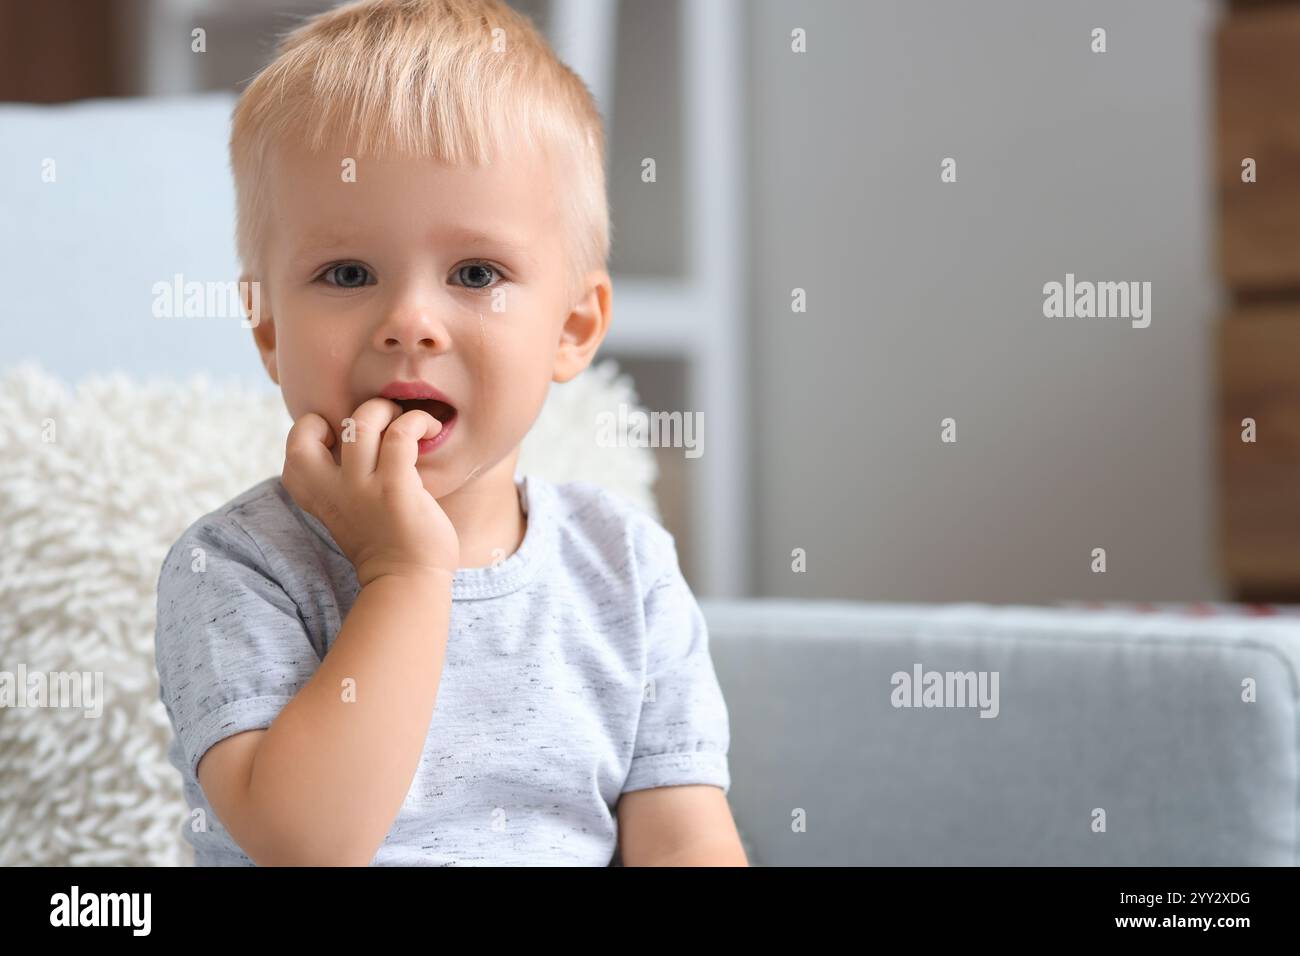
96, 482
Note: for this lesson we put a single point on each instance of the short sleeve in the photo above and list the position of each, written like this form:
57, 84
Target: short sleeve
682, 735
230, 647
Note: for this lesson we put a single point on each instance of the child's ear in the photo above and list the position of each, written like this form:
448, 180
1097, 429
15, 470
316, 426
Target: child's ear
258, 314
585, 327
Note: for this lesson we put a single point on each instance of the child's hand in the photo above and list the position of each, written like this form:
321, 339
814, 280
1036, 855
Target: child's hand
373, 502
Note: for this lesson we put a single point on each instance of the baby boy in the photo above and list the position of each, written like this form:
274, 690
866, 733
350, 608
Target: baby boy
401, 651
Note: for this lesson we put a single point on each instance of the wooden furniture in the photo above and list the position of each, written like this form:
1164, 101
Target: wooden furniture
1257, 92
59, 50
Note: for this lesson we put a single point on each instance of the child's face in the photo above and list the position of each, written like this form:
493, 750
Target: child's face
387, 278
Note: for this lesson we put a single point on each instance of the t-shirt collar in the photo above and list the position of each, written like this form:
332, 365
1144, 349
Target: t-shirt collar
495, 580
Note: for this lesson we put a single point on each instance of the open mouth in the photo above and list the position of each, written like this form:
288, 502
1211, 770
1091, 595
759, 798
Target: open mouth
439, 410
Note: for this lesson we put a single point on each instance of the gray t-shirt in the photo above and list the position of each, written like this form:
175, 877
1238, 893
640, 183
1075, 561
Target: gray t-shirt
576, 669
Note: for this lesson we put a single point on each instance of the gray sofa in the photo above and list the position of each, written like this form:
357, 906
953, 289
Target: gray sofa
1140, 716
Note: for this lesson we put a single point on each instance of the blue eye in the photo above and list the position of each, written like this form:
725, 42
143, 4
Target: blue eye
478, 269
347, 275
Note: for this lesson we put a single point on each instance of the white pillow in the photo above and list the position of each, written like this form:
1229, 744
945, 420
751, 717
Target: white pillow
96, 483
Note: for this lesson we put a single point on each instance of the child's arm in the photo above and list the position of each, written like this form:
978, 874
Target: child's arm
323, 784
678, 826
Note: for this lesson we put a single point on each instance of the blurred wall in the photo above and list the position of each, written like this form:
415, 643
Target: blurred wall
925, 299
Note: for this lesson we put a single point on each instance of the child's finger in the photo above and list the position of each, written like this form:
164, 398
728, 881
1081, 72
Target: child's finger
401, 447
368, 423
307, 459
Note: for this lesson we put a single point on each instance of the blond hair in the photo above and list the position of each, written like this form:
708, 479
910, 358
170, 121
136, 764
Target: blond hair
452, 80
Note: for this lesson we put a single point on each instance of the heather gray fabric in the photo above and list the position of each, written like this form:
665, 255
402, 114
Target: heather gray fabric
577, 669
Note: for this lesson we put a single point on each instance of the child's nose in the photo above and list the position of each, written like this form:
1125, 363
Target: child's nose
414, 327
